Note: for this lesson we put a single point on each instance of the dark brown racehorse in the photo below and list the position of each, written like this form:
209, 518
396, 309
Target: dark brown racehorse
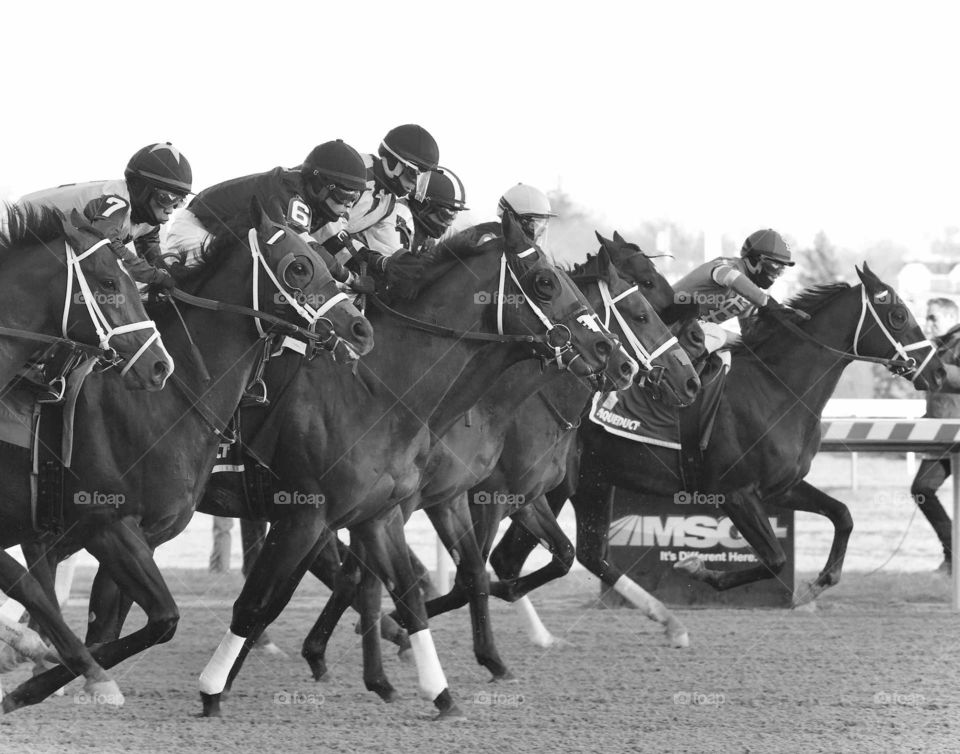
470, 450
141, 460
766, 434
59, 278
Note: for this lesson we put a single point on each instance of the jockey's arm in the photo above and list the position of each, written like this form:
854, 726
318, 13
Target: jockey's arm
728, 277
951, 384
111, 215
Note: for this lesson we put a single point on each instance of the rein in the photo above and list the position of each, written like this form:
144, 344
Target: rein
905, 364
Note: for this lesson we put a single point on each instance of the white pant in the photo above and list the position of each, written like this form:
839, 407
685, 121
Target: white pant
717, 337
186, 240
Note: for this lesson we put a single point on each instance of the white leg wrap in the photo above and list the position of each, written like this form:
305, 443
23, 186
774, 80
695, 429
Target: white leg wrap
64, 580
23, 639
429, 673
536, 631
635, 594
213, 679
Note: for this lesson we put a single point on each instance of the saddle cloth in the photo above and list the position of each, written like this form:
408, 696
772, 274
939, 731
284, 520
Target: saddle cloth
635, 415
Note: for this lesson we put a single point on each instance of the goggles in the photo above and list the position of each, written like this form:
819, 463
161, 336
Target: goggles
343, 197
772, 267
534, 225
167, 199
444, 215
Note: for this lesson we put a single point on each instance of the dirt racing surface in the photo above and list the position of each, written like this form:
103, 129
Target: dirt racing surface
873, 668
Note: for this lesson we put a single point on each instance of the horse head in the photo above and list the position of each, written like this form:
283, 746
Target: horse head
300, 289
887, 329
665, 366
103, 305
570, 331
638, 268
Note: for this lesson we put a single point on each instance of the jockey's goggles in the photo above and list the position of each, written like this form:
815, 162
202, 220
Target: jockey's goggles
344, 197
534, 225
772, 266
167, 199
444, 215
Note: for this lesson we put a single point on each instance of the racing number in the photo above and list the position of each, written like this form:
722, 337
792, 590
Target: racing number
299, 214
113, 204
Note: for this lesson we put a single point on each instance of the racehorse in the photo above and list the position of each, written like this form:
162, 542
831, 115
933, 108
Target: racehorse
766, 432
62, 285
132, 477
471, 449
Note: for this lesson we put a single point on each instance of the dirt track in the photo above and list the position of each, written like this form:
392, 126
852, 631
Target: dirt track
873, 669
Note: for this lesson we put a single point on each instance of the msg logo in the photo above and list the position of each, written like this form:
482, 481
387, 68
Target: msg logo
702, 532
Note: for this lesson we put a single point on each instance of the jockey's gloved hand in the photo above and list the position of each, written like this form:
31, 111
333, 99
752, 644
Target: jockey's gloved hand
164, 283
362, 284
376, 262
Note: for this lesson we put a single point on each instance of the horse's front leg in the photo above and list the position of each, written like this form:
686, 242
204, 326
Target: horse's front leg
291, 545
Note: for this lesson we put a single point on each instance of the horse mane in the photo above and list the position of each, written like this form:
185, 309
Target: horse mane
810, 300
436, 261
28, 225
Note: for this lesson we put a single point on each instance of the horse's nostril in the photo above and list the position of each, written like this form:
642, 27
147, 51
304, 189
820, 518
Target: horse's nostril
604, 349
626, 369
693, 386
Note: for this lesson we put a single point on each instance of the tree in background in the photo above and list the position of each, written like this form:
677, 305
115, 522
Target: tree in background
821, 263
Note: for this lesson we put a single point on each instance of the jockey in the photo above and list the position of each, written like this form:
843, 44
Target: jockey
380, 224
315, 199
530, 209
723, 287
434, 207
156, 182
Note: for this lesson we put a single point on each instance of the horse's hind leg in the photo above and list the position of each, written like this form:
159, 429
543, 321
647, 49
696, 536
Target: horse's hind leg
21, 586
386, 551
343, 580
454, 524
806, 497
746, 513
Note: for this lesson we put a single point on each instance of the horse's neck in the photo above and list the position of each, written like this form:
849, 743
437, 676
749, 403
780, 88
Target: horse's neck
503, 401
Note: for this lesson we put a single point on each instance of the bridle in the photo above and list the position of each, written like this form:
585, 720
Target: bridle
654, 372
904, 366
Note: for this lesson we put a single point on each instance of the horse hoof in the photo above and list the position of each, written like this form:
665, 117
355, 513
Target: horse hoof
211, 704
691, 565
506, 677
385, 691
679, 640
806, 594
104, 692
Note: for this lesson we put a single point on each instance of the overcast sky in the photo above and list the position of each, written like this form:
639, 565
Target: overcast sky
724, 116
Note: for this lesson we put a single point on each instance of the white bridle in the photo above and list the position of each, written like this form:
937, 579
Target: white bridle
903, 351
610, 307
309, 314
105, 331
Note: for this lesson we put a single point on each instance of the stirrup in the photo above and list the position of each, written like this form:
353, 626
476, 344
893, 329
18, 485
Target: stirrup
54, 391
255, 394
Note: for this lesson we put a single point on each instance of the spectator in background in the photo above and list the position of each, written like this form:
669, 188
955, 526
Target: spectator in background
943, 327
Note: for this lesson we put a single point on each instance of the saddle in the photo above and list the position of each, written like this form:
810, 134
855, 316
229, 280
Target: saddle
37, 415
634, 414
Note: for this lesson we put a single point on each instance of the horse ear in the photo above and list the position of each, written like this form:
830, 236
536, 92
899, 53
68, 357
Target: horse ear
514, 239
617, 237
76, 219
868, 278
603, 241
603, 261
258, 216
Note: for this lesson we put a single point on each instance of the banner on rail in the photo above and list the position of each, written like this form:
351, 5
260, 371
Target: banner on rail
649, 535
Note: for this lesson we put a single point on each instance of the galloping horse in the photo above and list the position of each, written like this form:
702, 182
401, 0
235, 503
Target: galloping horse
470, 450
476, 312
60, 280
766, 433
150, 473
